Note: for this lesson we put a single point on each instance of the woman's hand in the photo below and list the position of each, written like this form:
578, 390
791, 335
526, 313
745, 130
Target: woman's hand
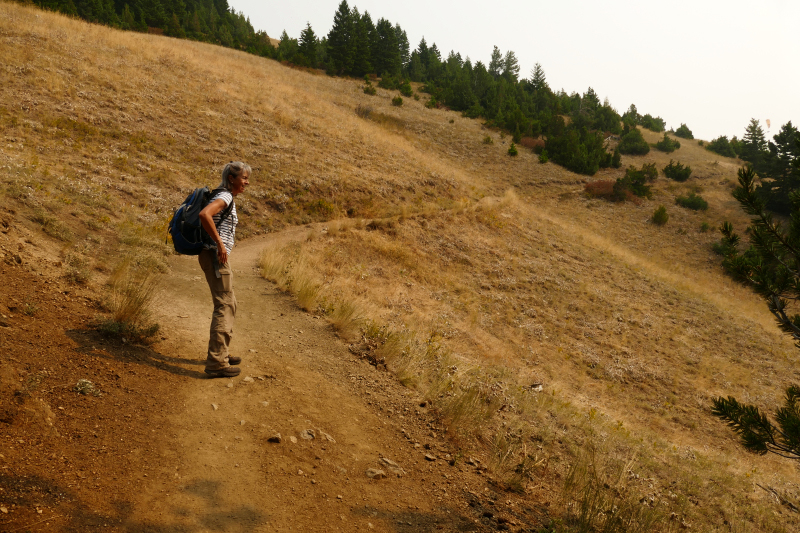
222, 253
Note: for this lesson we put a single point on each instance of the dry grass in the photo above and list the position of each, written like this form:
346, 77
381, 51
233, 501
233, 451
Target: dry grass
470, 295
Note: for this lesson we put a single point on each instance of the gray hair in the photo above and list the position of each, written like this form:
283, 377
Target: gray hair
234, 169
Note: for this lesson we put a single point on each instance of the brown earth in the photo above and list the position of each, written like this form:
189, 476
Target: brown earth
162, 448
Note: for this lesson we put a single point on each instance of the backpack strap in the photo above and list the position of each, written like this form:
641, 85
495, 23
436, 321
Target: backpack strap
225, 213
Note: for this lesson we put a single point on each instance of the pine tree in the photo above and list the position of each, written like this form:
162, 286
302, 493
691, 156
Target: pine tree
387, 61
511, 67
590, 101
754, 146
307, 46
772, 268
362, 52
538, 81
287, 49
127, 21
402, 44
496, 63
340, 50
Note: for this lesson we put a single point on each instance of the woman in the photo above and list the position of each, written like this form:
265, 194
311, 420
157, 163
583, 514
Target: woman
219, 276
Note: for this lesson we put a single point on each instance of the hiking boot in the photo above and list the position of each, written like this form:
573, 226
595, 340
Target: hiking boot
227, 372
234, 359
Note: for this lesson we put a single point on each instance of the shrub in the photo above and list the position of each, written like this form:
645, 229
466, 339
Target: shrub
488, 139
363, 111
700, 142
416, 97
694, 202
676, 171
655, 124
600, 189
633, 183
704, 227
537, 145
616, 159
370, 89
543, 157
397, 101
660, 216
668, 145
406, 90
432, 103
684, 132
649, 170
512, 150
632, 143
387, 82
721, 146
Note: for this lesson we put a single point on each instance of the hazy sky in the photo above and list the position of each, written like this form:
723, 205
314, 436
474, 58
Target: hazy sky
711, 64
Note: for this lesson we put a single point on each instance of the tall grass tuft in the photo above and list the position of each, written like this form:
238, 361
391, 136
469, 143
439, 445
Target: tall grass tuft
305, 289
345, 318
598, 499
131, 301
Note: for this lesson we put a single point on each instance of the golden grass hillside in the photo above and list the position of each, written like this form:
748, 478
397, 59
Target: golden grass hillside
475, 276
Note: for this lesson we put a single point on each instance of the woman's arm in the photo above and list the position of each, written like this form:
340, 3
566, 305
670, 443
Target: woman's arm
207, 220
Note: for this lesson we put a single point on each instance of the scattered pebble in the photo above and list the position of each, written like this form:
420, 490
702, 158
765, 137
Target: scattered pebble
230, 385
375, 473
293, 439
253, 351
248, 379
299, 472
308, 434
214, 406
241, 422
430, 457
392, 466
264, 404
327, 437
276, 438
339, 497
4, 510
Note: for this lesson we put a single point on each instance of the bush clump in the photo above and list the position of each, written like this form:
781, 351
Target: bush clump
616, 159
131, 301
684, 132
543, 157
406, 90
655, 124
676, 171
634, 183
600, 189
693, 201
397, 101
668, 145
632, 143
387, 82
649, 170
368, 87
488, 140
722, 146
660, 216
512, 150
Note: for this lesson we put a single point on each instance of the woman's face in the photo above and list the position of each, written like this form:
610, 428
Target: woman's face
238, 184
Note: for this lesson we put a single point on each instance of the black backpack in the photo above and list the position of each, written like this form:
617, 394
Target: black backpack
188, 235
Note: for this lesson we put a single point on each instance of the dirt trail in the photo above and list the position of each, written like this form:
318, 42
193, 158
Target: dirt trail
218, 470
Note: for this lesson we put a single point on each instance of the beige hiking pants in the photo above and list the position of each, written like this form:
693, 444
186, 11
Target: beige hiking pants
224, 310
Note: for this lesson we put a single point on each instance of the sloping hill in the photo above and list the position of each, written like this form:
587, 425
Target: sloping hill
475, 275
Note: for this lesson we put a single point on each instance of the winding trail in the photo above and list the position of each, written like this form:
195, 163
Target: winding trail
220, 473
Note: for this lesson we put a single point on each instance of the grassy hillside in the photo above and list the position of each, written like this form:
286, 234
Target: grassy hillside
474, 275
